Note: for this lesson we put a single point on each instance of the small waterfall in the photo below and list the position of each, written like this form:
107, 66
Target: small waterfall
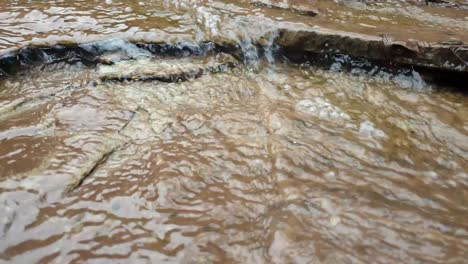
255, 42
255, 49
249, 52
269, 46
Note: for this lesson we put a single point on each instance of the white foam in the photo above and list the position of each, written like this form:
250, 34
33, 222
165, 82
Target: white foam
116, 45
413, 81
368, 128
321, 108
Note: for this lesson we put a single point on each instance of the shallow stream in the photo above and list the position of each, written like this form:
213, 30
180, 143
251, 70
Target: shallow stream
257, 161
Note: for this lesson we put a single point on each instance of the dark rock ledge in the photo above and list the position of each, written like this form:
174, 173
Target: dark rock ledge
447, 57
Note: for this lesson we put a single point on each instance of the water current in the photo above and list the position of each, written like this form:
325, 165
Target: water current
253, 161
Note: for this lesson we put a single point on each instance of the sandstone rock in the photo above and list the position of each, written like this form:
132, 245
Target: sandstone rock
109, 59
165, 70
296, 6
445, 56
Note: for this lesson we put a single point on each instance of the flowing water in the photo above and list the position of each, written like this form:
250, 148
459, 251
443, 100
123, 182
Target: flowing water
263, 161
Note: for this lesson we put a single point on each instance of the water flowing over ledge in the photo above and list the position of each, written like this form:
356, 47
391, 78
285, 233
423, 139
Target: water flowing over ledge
202, 131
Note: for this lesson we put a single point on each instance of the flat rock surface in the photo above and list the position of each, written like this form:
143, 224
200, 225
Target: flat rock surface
297, 6
167, 70
297, 153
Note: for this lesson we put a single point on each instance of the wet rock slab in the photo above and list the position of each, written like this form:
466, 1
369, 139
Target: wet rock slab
216, 159
299, 7
446, 56
400, 32
166, 70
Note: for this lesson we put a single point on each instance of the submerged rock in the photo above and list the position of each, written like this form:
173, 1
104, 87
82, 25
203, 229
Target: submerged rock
111, 58
294, 6
166, 70
321, 108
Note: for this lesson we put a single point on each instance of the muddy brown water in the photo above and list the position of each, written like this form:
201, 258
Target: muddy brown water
269, 162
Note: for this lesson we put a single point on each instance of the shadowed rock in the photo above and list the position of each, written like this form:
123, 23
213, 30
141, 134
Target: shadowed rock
382, 39
462, 4
104, 52
445, 56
